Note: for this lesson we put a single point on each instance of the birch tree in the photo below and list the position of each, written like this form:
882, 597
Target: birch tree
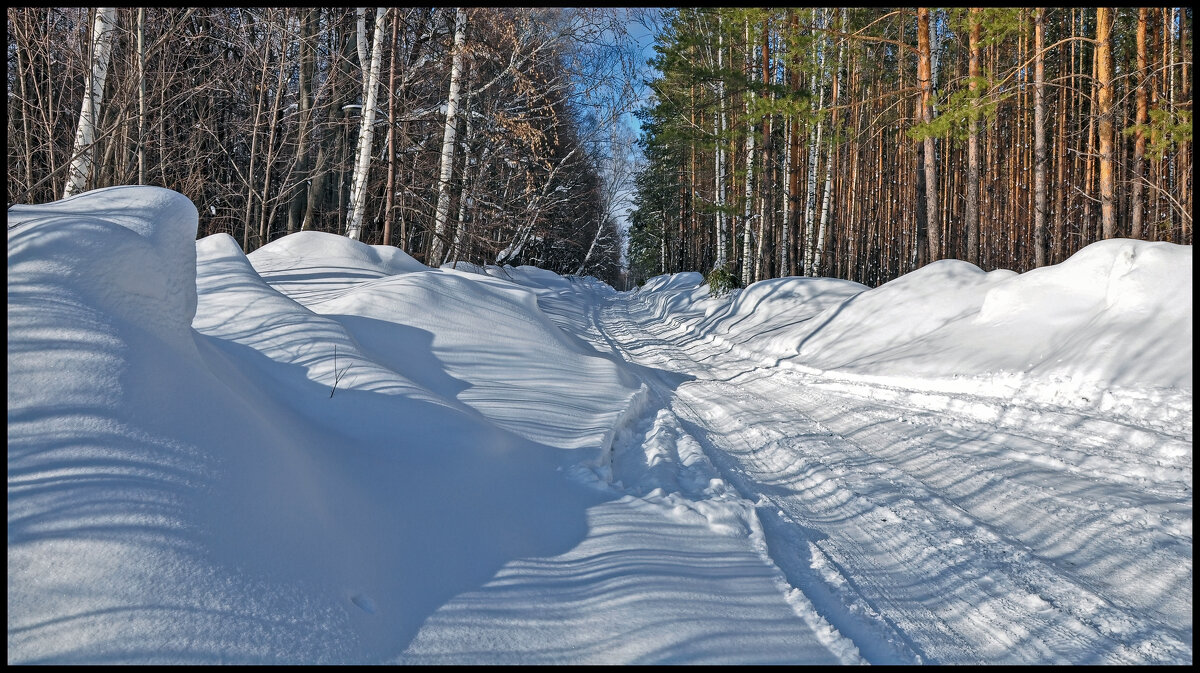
810, 203
85, 135
366, 132
722, 219
446, 170
747, 265
819, 249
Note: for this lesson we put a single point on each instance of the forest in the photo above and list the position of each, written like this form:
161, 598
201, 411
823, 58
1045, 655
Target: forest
457, 134
856, 143
862, 143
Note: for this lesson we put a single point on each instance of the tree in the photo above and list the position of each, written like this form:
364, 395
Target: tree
1141, 120
1104, 103
1039, 139
81, 154
441, 225
972, 198
366, 133
925, 79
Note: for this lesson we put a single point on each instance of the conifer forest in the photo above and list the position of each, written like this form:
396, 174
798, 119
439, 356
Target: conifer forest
862, 143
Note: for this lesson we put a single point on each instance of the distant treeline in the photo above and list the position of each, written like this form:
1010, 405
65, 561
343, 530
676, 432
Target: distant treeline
861, 143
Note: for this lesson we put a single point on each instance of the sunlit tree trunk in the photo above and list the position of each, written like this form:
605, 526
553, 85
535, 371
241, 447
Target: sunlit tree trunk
366, 132
810, 201
141, 63
1139, 145
787, 260
296, 210
925, 76
446, 171
1104, 100
748, 212
390, 188
1039, 140
766, 216
972, 205
819, 248
722, 220
85, 134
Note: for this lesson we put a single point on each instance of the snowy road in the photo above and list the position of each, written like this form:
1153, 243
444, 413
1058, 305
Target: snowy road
924, 527
959, 466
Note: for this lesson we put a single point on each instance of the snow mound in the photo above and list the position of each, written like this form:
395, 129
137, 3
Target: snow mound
515, 365
190, 481
134, 247
315, 265
675, 281
321, 249
1116, 314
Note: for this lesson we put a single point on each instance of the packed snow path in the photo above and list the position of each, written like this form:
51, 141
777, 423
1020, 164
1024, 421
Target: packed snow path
925, 527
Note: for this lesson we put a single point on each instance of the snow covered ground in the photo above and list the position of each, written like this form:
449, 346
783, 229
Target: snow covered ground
325, 452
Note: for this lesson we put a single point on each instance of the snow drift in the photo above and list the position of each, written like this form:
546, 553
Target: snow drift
193, 492
1111, 326
326, 452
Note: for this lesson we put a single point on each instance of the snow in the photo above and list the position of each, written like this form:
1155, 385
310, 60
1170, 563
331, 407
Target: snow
326, 452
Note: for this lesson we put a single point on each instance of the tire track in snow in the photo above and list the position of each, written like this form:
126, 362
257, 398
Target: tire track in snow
652, 457
945, 582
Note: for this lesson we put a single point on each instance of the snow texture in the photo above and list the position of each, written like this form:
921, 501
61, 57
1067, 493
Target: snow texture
326, 452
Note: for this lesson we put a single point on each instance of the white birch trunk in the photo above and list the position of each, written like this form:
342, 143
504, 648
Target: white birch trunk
819, 252
85, 134
747, 240
141, 63
366, 132
447, 166
786, 223
819, 247
469, 176
810, 203
722, 225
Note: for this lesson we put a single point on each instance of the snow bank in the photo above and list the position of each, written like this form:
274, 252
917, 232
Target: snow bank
186, 485
321, 250
1118, 314
481, 340
131, 251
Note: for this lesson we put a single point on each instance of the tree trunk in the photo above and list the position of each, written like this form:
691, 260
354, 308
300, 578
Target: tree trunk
390, 193
297, 208
819, 248
766, 216
436, 245
460, 232
141, 62
925, 75
972, 205
721, 257
366, 132
748, 211
810, 200
787, 261
1039, 140
81, 154
1104, 102
1139, 145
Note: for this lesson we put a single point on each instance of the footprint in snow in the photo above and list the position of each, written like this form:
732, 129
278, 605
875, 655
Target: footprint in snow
366, 604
